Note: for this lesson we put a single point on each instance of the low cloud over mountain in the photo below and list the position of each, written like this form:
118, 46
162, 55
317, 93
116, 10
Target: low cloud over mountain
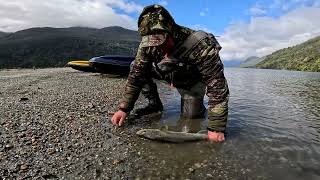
17, 15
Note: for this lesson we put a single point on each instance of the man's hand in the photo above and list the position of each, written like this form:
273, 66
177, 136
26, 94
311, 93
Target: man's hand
215, 136
118, 118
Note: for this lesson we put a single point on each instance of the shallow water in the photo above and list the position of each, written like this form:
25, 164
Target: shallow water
273, 128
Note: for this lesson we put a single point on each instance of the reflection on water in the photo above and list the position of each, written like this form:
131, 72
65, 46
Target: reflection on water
273, 127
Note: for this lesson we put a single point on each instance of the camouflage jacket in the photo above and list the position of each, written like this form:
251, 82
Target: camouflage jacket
210, 71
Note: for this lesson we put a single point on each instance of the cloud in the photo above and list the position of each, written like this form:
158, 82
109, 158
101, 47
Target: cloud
205, 12
163, 3
288, 5
128, 7
256, 10
17, 15
201, 27
263, 35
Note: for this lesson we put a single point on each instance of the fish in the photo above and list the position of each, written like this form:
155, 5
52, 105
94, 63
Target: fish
171, 136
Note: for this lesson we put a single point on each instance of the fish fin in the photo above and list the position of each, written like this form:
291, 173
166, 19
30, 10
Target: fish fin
202, 132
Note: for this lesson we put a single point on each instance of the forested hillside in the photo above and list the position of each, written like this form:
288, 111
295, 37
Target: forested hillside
54, 47
302, 57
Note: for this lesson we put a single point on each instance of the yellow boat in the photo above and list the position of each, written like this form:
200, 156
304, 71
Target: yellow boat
81, 65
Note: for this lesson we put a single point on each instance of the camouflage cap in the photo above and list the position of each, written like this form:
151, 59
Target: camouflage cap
155, 19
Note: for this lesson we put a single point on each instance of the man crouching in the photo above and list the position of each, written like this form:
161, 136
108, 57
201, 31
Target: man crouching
185, 58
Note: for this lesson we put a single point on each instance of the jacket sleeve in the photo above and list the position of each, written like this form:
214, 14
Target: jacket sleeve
211, 69
136, 79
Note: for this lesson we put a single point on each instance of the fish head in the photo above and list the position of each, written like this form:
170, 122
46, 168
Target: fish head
142, 132
149, 133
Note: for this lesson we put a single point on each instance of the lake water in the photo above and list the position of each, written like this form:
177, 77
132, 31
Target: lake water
273, 128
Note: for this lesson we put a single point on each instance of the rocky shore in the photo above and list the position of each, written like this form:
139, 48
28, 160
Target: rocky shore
55, 124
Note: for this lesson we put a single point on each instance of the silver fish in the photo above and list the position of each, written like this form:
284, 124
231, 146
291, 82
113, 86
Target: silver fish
170, 136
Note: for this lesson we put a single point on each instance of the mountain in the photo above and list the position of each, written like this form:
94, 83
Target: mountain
54, 47
302, 57
3, 34
232, 63
251, 61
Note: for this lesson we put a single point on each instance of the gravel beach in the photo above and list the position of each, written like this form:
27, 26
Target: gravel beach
55, 124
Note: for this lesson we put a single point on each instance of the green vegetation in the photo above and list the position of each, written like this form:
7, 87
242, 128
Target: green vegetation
303, 57
54, 47
251, 61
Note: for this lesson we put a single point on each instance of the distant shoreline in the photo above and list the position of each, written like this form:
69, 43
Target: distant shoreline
18, 69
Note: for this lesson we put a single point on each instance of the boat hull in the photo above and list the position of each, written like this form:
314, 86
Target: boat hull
81, 66
117, 65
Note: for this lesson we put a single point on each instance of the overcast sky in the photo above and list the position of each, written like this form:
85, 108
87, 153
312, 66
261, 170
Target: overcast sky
246, 28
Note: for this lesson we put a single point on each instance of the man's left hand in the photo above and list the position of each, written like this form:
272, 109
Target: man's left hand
215, 136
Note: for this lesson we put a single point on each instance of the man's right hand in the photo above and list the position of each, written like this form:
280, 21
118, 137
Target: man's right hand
216, 136
118, 118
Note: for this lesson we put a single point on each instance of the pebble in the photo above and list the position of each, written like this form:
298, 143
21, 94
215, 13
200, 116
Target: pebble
24, 167
1, 155
209, 175
9, 146
110, 113
28, 142
51, 151
90, 105
191, 169
116, 162
197, 165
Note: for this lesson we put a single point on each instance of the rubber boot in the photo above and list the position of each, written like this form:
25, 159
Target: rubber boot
151, 93
192, 108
